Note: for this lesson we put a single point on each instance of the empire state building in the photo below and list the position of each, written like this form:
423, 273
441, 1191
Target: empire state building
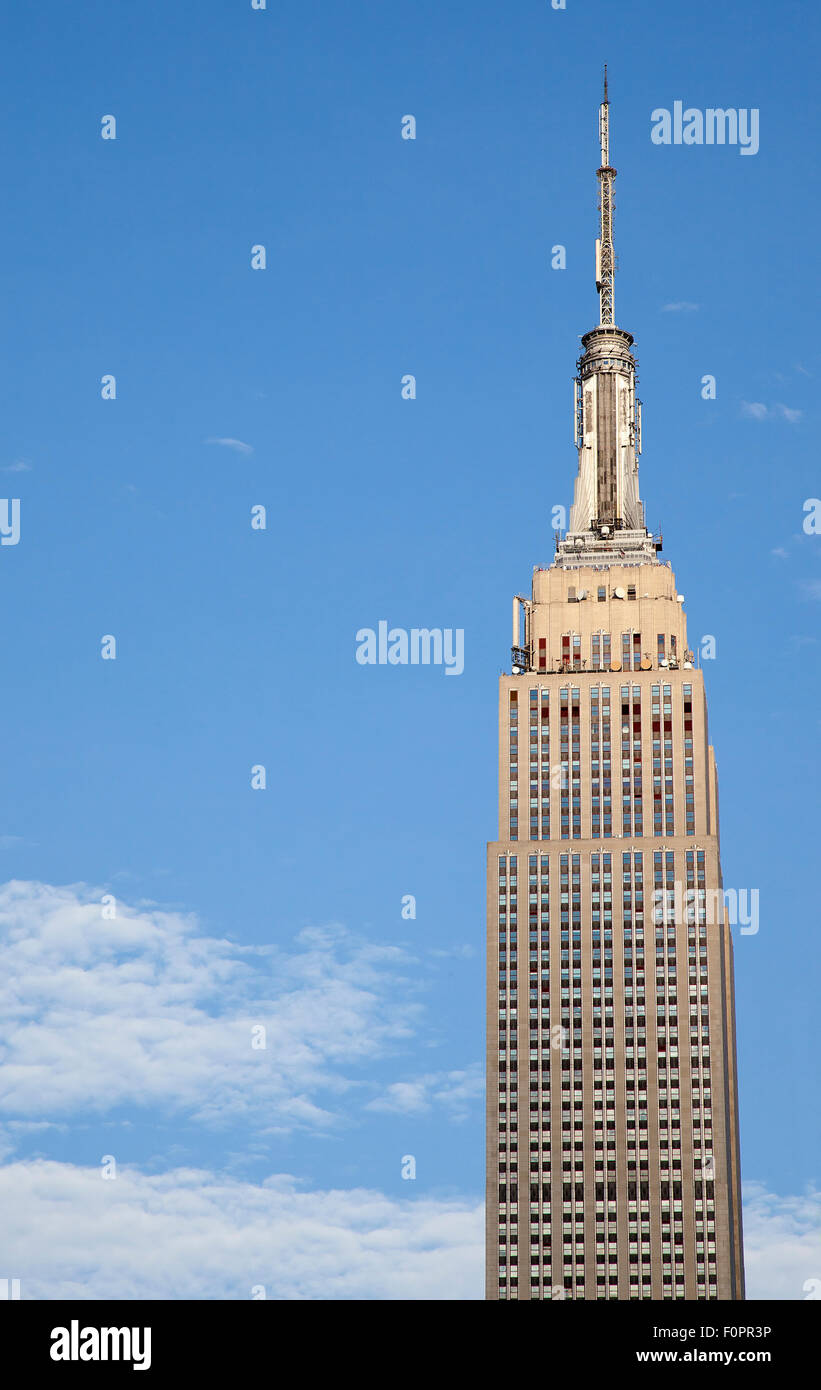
612, 1114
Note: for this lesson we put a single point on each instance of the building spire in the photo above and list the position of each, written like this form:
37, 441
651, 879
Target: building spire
605, 255
606, 524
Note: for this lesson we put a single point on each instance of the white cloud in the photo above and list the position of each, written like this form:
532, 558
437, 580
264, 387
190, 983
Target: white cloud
454, 1091
190, 1234
680, 306
236, 444
782, 1242
19, 466
148, 1011
780, 552
69, 1233
756, 410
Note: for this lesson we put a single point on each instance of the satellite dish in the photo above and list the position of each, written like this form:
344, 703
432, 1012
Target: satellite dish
516, 671
679, 598
646, 663
615, 665
662, 661
618, 593
688, 665
581, 594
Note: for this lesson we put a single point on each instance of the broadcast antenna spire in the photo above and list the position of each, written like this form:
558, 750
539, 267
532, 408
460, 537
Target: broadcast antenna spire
607, 516
605, 255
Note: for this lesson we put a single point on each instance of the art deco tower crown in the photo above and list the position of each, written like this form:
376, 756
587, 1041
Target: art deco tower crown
607, 516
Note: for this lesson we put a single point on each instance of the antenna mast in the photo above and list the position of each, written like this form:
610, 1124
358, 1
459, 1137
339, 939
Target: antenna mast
605, 255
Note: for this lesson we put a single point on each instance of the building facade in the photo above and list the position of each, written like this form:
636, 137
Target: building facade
612, 1118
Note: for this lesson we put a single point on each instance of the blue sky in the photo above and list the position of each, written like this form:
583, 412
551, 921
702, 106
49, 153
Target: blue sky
236, 647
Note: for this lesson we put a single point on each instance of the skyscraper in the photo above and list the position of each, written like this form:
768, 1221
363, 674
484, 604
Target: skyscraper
612, 1118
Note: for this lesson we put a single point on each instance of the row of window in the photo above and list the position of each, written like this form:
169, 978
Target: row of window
572, 1272
630, 651
564, 775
